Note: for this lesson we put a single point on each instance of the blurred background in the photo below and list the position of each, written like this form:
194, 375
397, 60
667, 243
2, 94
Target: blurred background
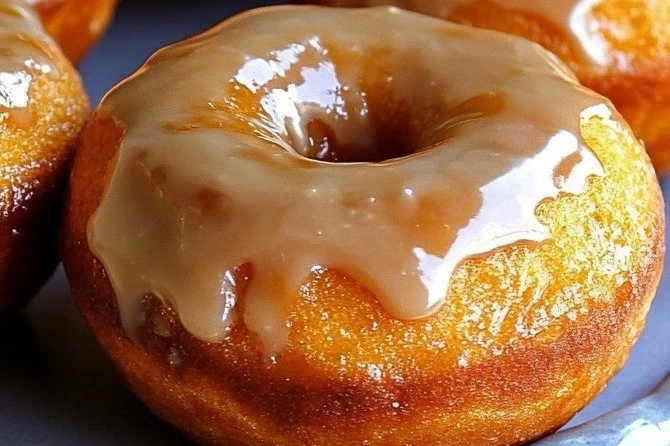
56, 386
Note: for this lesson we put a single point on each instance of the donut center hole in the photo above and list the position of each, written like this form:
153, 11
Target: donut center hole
375, 144
331, 104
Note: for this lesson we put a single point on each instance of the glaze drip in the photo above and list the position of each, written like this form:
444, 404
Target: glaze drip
317, 147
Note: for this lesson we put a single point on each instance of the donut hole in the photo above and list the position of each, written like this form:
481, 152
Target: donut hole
375, 121
390, 127
381, 116
331, 104
370, 122
388, 143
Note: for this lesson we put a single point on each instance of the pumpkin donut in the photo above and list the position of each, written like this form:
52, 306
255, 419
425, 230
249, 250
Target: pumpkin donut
361, 226
42, 110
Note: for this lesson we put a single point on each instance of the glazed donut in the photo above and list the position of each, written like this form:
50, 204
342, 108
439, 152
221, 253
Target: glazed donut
280, 234
75, 24
42, 110
619, 48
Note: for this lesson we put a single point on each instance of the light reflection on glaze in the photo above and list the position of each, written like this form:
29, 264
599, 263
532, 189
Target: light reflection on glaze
22, 58
216, 173
317, 94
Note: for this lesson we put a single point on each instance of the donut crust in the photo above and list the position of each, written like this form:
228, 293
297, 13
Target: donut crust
34, 167
492, 367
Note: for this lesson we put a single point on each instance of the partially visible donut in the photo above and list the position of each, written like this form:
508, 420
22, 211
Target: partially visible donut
75, 24
42, 109
344, 227
619, 48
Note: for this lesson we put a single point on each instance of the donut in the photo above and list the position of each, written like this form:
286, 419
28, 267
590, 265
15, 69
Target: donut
42, 110
332, 226
75, 24
619, 48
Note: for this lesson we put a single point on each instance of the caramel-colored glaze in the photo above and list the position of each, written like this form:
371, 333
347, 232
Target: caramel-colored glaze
75, 24
42, 109
530, 332
231, 169
619, 48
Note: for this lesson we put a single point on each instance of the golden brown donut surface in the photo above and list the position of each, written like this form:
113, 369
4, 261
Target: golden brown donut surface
252, 231
75, 24
42, 109
619, 48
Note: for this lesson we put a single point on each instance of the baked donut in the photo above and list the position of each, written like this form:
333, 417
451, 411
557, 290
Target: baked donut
619, 48
281, 235
42, 110
75, 24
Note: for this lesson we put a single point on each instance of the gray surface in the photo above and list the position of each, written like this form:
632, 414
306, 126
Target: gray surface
56, 387
645, 422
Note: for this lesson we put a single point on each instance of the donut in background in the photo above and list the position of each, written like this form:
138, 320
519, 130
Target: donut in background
43, 107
